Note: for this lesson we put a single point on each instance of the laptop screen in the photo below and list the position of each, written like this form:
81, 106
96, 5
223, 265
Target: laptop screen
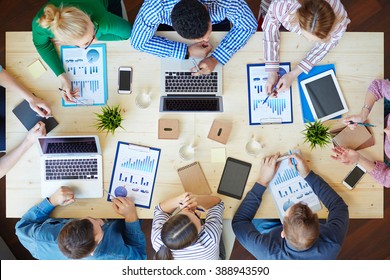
68, 145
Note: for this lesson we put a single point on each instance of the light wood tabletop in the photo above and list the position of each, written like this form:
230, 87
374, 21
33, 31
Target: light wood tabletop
358, 60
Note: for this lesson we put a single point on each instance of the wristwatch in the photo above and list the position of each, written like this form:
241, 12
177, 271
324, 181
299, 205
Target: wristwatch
367, 107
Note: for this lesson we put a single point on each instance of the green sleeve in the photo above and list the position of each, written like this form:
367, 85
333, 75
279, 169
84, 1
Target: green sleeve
45, 47
113, 28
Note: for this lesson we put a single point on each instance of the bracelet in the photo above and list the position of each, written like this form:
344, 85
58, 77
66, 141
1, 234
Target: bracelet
366, 107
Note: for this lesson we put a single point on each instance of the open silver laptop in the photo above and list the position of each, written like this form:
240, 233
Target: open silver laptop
73, 161
181, 91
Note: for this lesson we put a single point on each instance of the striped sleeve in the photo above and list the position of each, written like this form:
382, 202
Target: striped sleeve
146, 23
244, 26
159, 219
213, 223
271, 35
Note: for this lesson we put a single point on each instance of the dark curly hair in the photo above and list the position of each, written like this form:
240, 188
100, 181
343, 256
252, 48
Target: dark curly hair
190, 19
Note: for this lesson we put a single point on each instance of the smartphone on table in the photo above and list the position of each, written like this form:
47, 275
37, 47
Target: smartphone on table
125, 77
353, 177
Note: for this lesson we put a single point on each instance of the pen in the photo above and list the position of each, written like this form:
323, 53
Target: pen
195, 64
109, 193
48, 116
274, 91
362, 124
293, 162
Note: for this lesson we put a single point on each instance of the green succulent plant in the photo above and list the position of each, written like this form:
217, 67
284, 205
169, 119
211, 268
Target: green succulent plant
109, 119
317, 134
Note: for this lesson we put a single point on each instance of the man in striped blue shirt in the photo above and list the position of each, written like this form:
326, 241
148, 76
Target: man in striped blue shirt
193, 19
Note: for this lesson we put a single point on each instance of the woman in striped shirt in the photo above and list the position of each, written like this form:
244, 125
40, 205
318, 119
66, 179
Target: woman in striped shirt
320, 21
178, 233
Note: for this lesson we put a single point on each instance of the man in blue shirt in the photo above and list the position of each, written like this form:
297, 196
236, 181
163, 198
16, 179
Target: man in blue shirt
301, 236
89, 238
193, 19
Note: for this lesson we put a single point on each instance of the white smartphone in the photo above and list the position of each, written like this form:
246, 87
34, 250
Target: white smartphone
354, 177
125, 77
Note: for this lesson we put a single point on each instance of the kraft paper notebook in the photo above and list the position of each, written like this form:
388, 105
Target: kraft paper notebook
356, 139
193, 179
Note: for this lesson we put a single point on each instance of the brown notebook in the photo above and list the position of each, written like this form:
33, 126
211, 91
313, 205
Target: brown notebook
193, 179
356, 139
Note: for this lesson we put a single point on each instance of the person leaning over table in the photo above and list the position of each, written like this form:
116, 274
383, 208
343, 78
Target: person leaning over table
194, 20
88, 238
38, 105
79, 23
182, 235
380, 171
301, 236
322, 22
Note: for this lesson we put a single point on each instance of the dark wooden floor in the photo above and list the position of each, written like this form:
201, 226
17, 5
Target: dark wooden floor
367, 239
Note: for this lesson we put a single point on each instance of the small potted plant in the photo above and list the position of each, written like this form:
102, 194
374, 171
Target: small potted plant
110, 119
317, 134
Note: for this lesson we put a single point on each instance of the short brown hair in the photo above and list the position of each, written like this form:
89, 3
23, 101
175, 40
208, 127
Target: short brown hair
76, 239
316, 17
301, 226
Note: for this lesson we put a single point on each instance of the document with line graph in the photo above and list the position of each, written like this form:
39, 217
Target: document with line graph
87, 71
272, 110
134, 173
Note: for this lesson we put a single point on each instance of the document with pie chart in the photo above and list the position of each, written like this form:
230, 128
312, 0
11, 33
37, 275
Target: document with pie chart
87, 71
134, 173
288, 188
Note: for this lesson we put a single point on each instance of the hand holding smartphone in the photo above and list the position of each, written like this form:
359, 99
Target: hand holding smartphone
125, 77
353, 177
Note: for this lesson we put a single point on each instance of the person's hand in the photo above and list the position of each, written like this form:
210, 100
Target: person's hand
206, 66
355, 119
125, 207
268, 169
66, 89
38, 130
303, 168
40, 106
189, 202
344, 155
285, 82
200, 49
271, 82
62, 197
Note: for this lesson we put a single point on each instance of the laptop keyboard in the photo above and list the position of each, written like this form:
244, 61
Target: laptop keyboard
71, 147
185, 82
191, 104
71, 169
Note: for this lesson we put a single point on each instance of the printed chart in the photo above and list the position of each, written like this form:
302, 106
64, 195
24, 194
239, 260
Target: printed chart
134, 173
273, 110
86, 70
288, 188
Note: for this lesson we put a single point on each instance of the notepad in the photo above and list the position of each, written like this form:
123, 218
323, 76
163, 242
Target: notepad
36, 69
353, 139
193, 179
29, 118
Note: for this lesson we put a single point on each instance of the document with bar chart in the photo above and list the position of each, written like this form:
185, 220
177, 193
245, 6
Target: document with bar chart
288, 188
87, 71
272, 110
134, 173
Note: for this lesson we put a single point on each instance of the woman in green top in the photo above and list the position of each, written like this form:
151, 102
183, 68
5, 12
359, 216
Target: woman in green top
79, 23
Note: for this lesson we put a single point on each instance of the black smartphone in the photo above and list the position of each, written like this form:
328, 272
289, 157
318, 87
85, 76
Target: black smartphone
234, 177
125, 79
354, 177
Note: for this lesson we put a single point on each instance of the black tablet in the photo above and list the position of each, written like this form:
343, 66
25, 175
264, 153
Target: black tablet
234, 178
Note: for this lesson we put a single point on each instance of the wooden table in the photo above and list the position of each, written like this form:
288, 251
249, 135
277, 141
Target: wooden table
358, 59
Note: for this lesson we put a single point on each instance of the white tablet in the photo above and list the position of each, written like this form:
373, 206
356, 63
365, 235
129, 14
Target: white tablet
324, 96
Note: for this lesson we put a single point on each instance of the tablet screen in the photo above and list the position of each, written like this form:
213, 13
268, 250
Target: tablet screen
324, 96
234, 177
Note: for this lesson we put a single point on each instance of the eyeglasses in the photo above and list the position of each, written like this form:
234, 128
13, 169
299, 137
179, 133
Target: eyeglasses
93, 38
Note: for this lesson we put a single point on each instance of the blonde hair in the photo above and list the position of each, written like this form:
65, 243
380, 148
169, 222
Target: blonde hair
316, 17
67, 23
